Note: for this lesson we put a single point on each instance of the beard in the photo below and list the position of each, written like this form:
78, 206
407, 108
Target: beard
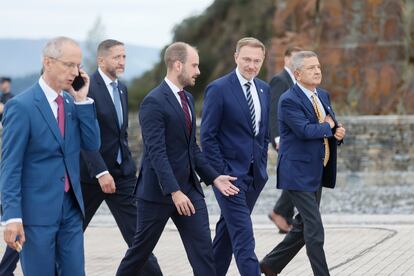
115, 73
185, 79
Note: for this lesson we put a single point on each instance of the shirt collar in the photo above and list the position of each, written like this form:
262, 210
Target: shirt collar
290, 74
105, 78
307, 92
172, 86
50, 94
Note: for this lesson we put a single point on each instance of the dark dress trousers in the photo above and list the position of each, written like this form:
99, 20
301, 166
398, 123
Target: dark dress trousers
278, 85
113, 137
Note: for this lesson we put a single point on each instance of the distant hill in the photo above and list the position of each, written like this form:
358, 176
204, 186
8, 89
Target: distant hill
21, 60
215, 33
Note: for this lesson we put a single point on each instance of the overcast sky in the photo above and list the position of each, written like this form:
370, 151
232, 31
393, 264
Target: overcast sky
141, 22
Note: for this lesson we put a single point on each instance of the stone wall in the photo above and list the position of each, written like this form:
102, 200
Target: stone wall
378, 150
366, 49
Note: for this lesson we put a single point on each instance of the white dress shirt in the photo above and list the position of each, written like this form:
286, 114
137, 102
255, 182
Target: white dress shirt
309, 94
175, 91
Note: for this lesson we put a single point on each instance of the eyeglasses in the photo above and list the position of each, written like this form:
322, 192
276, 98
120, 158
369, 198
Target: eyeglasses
69, 65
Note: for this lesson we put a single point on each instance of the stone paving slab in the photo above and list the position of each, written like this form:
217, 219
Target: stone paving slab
357, 248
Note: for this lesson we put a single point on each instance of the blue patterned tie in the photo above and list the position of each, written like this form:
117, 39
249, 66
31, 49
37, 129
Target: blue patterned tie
118, 108
251, 106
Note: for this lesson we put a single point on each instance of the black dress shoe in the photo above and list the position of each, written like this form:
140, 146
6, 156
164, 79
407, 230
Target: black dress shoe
266, 270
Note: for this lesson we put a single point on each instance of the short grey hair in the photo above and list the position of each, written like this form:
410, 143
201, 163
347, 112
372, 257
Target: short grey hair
54, 46
298, 58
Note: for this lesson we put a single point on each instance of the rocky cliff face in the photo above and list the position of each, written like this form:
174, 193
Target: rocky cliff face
366, 49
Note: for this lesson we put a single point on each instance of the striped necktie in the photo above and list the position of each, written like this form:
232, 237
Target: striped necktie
251, 106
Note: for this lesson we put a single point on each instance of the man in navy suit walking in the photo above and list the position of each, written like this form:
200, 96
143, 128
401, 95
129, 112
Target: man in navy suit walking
309, 135
110, 174
168, 185
283, 211
234, 137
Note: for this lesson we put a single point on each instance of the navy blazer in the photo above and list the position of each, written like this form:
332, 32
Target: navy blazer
227, 137
302, 151
171, 156
35, 157
279, 84
113, 137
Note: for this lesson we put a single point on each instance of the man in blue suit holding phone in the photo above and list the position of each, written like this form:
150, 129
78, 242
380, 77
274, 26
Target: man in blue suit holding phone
235, 138
44, 130
309, 135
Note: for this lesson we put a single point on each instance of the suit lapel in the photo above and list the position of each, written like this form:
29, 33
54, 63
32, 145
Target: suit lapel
287, 77
238, 93
263, 103
193, 117
43, 105
68, 113
306, 102
326, 105
176, 106
123, 96
106, 98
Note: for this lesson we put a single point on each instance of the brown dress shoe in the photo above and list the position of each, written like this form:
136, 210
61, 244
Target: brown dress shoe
266, 270
280, 222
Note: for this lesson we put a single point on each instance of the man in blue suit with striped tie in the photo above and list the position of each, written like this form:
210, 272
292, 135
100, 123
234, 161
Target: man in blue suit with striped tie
44, 129
234, 138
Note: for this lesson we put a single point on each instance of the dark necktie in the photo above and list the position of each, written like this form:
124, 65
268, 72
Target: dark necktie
61, 124
251, 106
184, 104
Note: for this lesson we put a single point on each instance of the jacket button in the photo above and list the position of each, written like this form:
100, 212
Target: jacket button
62, 179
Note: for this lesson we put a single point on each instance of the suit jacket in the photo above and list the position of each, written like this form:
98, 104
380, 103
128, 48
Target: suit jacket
171, 156
301, 153
279, 84
35, 157
227, 137
112, 136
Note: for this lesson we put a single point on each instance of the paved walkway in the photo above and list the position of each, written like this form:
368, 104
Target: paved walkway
355, 245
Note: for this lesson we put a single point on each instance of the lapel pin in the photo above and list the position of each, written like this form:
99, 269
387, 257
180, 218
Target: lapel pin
261, 90
67, 101
121, 91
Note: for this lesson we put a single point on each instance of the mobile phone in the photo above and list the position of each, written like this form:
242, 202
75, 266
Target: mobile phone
78, 83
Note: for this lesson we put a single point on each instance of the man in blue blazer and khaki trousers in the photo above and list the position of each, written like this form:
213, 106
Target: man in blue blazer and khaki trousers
168, 185
234, 138
44, 130
309, 135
